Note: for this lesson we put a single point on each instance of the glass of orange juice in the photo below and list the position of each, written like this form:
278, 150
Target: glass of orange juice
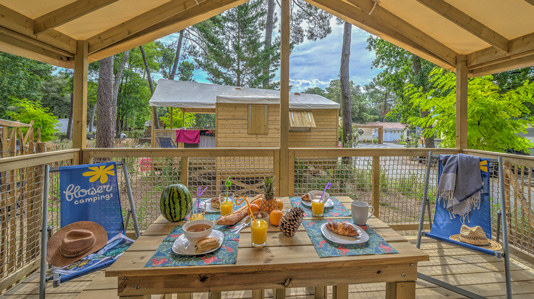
258, 229
226, 203
317, 207
197, 214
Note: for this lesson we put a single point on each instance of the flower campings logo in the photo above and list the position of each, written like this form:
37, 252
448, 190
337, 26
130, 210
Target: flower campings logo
85, 192
100, 172
484, 165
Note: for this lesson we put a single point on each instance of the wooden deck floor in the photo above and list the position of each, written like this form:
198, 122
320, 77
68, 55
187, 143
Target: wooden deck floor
476, 272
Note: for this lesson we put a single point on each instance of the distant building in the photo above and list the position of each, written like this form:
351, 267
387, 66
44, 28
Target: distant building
392, 130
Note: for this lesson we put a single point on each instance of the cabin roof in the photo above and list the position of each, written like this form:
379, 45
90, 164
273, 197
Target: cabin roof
193, 95
494, 35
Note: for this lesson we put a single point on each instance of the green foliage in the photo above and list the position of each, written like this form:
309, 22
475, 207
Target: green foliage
229, 47
25, 111
494, 116
56, 95
177, 119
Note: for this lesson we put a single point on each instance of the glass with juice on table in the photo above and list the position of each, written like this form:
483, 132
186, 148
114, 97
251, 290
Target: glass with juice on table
226, 203
258, 229
318, 205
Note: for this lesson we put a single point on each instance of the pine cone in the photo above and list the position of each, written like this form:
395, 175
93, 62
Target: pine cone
291, 221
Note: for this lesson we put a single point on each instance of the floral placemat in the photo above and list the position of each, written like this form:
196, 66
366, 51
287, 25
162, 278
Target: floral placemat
338, 210
325, 248
226, 254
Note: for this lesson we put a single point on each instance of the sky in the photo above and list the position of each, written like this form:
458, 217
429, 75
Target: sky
315, 63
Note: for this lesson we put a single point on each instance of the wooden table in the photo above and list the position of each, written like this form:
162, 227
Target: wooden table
284, 263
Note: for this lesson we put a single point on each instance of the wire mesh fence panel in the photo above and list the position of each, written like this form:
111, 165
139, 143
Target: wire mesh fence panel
348, 176
402, 180
21, 210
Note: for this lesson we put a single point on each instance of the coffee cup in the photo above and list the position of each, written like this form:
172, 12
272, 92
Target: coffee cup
360, 212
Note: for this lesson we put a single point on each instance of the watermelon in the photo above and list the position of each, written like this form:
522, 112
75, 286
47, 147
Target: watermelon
175, 202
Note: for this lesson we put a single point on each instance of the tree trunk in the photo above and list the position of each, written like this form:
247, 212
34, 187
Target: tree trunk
116, 85
429, 140
149, 77
92, 120
385, 108
268, 40
104, 99
345, 86
177, 57
69, 126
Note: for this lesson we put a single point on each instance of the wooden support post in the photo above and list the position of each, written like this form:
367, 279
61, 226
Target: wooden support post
215, 295
341, 291
380, 135
79, 103
258, 294
321, 292
184, 296
284, 101
183, 119
376, 185
184, 171
461, 102
152, 130
279, 293
400, 290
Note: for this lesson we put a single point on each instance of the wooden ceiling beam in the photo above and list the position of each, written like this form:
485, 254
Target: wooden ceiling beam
19, 23
176, 23
358, 17
519, 47
68, 13
531, 2
138, 23
504, 66
421, 38
467, 23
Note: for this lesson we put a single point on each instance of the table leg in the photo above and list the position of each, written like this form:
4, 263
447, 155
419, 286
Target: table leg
215, 295
279, 294
341, 291
258, 294
321, 292
400, 290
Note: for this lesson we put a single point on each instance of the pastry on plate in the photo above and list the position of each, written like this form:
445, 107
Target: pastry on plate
342, 228
207, 244
306, 197
215, 203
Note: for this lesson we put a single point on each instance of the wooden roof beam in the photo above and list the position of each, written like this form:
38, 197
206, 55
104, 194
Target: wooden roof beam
358, 17
504, 66
178, 22
68, 13
519, 47
467, 23
138, 23
406, 29
19, 23
531, 2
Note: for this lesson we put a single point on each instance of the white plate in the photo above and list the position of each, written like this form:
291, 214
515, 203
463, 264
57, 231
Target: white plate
328, 204
182, 246
340, 239
206, 204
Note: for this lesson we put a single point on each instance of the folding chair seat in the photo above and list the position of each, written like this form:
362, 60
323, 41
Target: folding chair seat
102, 206
443, 226
166, 142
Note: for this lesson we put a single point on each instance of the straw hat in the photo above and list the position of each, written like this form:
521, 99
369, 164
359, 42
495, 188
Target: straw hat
75, 241
475, 236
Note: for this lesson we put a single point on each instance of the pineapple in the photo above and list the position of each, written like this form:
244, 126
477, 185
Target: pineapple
268, 203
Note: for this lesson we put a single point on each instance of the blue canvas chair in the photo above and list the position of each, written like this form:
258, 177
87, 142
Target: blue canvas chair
166, 142
443, 226
102, 207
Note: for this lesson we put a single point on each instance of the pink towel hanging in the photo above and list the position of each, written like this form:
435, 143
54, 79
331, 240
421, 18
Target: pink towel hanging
187, 136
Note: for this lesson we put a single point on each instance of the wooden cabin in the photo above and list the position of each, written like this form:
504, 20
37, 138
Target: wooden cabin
248, 117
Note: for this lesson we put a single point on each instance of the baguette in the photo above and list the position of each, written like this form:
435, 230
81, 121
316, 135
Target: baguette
236, 216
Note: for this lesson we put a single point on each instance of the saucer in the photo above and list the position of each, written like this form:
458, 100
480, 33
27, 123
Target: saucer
328, 204
206, 204
182, 246
340, 239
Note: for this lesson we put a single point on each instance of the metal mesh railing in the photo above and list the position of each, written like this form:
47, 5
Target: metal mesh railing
21, 199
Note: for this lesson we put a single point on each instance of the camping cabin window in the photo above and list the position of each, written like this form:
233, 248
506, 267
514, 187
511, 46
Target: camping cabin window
301, 121
257, 120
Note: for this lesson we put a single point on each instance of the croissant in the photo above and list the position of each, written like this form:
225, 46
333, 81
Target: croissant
236, 216
215, 203
306, 197
342, 228
206, 244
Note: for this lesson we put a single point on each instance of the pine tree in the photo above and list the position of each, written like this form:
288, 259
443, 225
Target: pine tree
231, 50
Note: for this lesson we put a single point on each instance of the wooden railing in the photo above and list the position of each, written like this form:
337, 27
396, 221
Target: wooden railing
389, 179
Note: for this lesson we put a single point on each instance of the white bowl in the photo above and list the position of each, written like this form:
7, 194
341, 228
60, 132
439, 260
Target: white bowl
316, 194
194, 237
